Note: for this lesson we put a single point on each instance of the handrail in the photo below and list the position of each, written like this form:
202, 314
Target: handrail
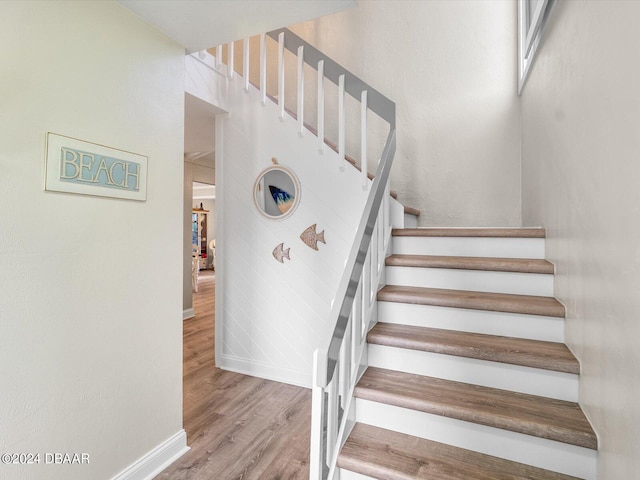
355, 263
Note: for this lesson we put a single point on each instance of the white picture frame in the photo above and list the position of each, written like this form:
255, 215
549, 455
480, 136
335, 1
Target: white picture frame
86, 168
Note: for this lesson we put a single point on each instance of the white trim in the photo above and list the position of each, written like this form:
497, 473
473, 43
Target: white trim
188, 313
398, 217
221, 219
155, 461
298, 378
530, 36
534, 25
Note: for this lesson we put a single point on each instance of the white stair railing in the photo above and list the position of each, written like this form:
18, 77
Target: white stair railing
340, 360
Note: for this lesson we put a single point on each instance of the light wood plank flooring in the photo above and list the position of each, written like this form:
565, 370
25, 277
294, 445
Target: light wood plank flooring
238, 427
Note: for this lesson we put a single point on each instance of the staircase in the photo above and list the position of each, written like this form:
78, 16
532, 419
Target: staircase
468, 376
446, 359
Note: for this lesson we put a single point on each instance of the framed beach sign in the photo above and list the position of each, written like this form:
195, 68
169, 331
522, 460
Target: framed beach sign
81, 167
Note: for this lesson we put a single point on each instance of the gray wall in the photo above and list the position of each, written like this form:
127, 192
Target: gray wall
581, 180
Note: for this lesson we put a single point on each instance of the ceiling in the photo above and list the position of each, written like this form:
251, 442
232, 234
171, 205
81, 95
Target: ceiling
201, 24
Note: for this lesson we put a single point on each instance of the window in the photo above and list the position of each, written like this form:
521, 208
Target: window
532, 19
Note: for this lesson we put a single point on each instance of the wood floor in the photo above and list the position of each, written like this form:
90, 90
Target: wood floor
238, 427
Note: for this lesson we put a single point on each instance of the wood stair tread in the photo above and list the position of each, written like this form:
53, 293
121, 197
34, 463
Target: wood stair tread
470, 232
542, 417
521, 265
411, 211
499, 302
385, 454
515, 351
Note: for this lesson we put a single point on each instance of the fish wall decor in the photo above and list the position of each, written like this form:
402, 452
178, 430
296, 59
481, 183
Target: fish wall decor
311, 238
280, 253
283, 199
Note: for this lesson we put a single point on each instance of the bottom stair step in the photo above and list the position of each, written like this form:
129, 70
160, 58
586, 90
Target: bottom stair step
387, 455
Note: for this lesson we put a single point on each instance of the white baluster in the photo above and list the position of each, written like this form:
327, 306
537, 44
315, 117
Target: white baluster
382, 228
230, 72
374, 257
387, 216
374, 268
263, 68
321, 106
366, 285
300, 110
341, 124
363, 138
218, 56
245, 69
357, 315
332, 415
345, 370
355, 339
281, 74
365, 310
318, 415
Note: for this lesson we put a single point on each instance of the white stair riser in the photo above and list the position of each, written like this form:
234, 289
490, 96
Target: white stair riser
548, 454
534, 381
410, 221
472, 280
470, 246
534, 327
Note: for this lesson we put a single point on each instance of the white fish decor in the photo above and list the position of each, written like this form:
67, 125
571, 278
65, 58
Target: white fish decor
280, 253
311, 238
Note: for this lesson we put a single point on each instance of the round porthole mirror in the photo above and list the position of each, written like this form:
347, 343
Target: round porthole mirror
276, 192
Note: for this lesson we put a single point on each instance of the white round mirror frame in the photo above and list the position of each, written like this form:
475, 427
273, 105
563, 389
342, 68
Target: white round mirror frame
296, 196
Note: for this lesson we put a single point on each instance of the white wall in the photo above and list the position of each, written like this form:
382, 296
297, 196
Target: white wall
270, 317
90, 310
581, 178
450, 66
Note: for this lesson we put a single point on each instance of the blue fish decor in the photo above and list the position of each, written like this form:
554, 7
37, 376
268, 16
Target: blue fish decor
280, 253
311, 238
284, 200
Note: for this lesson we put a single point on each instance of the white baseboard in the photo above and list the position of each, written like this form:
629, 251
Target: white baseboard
188, 313
157, 459
268, 372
